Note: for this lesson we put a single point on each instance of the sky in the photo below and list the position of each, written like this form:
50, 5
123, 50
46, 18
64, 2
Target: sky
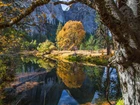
65, 7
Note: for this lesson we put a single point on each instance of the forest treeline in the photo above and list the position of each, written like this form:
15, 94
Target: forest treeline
71, 35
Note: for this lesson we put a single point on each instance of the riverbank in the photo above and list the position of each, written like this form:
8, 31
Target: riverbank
82, 56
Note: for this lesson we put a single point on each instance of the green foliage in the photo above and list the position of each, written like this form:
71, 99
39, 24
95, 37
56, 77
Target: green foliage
98, 60
93, 71
29, 59
46, 47
29, 45
95, 74
97, 19
93, 43
101, 39
74, 58
43, 63
120, 102
46, 64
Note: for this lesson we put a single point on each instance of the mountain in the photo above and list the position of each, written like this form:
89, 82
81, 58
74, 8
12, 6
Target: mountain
47, 18
83, 13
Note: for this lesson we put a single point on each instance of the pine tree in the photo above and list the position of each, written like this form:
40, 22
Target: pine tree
59, 27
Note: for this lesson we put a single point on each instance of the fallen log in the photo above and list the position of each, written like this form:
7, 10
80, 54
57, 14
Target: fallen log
32, 77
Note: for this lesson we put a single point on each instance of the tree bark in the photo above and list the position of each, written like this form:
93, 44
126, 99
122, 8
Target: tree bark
125, 25
128, 65
129, 78
108, 49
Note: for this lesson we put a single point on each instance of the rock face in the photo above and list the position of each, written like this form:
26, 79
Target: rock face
81, 12
55, 14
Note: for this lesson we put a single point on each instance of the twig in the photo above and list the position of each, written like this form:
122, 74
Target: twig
66, 3
108, 84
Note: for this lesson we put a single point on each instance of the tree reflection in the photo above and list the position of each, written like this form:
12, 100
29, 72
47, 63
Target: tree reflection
47, 64
71, 74
84, 84
94, 73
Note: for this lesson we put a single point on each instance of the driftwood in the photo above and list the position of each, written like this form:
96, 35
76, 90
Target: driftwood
32, 77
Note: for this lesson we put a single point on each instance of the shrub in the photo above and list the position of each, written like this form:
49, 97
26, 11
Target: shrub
74, 58
96, 60
120, 102
29, 45
46, 47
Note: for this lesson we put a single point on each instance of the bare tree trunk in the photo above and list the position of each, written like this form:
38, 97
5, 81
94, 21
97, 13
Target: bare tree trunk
129, 73
127, 37
130, 82
128, 55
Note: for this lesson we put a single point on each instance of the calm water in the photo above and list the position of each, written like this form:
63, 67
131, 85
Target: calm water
33, 81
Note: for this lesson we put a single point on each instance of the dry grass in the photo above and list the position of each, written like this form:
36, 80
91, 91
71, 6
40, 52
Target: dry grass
79, 52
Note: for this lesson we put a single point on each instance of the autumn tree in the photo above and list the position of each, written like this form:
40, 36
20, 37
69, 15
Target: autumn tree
71, 35
122, 19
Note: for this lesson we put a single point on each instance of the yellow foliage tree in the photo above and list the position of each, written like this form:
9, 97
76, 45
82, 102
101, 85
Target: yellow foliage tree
71, 35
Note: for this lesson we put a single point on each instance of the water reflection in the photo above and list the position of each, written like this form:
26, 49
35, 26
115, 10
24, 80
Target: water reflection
71, 74
47, 82
47, 64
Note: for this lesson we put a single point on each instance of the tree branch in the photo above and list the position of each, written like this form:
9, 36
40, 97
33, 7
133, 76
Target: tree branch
66, 3
29, 10
110, 16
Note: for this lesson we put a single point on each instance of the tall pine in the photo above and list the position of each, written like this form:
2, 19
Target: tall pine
59, 27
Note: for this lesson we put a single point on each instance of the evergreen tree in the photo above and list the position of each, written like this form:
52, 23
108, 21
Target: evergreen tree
59, 28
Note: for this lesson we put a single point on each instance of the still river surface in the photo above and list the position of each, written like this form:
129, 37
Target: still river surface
34, 81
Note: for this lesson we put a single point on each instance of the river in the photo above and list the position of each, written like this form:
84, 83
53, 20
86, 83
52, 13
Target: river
28, 80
